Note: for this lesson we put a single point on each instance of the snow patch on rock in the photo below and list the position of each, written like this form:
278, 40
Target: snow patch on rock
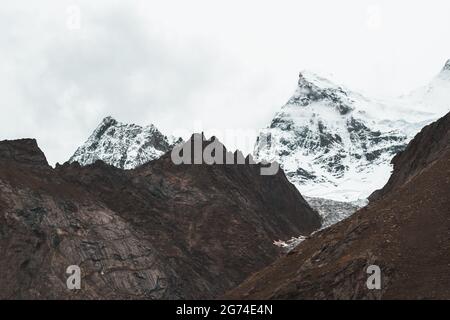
337, 144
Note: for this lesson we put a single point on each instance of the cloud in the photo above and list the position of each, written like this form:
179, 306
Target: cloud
178, 64
63, 83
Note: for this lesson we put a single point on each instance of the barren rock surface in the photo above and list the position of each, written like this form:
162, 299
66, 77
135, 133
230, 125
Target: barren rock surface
160, 231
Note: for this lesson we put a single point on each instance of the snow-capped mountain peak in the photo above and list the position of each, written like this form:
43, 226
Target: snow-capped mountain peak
314, 88
125, 146
335, 143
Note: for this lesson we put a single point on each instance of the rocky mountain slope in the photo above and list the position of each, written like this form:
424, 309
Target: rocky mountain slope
405, 232
160, 231
337, 144
124, 146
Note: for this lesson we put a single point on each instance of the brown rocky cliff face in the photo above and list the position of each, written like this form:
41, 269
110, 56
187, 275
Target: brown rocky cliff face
160, 231
24, 152
406, 232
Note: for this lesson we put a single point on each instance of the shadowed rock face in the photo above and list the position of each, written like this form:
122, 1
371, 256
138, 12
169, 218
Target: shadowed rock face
323, 139
405, 231
160, 231
24, 152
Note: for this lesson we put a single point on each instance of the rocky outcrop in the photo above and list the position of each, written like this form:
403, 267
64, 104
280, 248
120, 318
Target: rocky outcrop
24, 152
405, 233
161, 231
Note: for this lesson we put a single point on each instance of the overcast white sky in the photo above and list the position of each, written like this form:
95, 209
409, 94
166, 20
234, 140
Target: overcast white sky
184, 64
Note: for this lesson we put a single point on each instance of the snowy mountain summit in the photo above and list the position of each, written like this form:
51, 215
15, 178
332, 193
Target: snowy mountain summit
337, 144
446, 66
124, 146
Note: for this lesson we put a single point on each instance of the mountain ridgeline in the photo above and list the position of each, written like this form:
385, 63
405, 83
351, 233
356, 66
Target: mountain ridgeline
140, 225
160, 231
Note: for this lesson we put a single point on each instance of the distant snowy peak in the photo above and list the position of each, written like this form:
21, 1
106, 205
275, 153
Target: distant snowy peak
124, 146
335, 143
446, 68
313, 88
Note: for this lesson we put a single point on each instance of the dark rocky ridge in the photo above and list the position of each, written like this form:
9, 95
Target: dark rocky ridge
24, 151
405, 231
160, 231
